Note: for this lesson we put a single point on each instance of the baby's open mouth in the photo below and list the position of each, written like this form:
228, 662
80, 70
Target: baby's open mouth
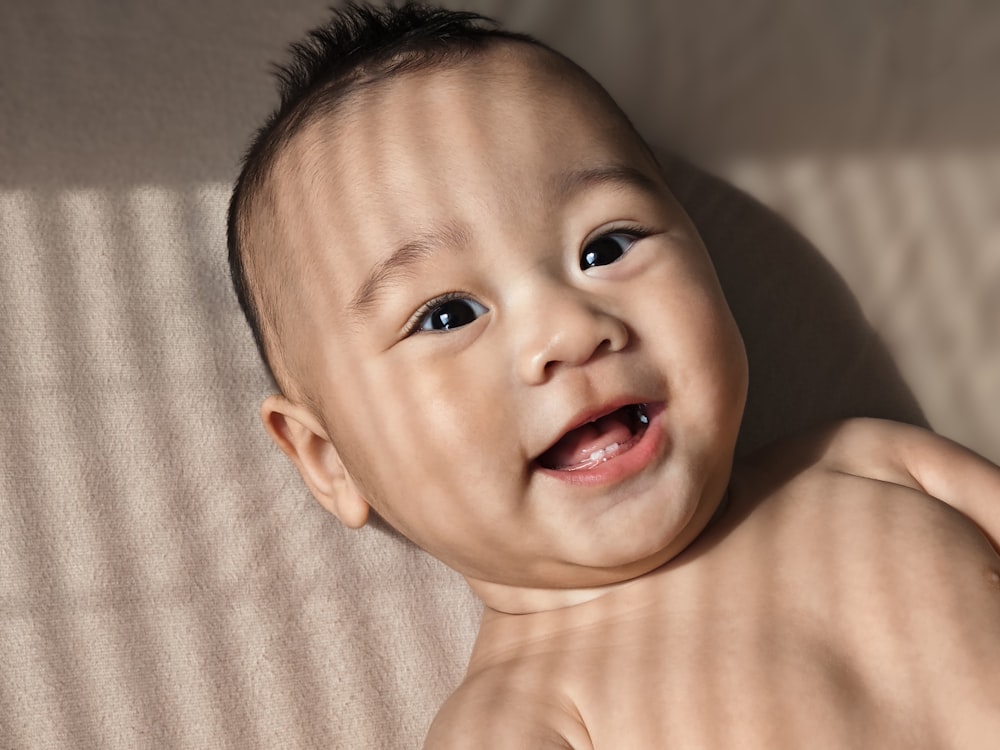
598, 441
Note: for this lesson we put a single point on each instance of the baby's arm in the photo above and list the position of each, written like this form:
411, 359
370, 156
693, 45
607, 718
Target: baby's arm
939, 467
494, 715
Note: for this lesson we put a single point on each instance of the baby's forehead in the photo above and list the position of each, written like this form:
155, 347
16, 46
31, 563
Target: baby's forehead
510, 78
385, 158
497, 105
394, 168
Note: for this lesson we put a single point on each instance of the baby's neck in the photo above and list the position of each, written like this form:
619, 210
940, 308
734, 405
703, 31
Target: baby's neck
518, 600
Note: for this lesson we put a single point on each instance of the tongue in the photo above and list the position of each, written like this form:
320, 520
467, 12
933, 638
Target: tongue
578, 445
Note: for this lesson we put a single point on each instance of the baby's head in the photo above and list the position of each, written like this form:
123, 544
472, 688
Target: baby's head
488, 317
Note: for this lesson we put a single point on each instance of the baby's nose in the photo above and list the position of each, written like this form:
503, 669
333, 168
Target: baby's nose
566, 329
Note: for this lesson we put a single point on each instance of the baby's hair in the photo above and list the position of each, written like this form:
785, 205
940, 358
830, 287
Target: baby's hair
361, 45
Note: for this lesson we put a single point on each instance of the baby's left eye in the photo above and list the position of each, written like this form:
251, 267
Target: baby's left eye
606, 249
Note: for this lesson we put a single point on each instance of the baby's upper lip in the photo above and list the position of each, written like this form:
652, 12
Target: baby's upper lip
591, 414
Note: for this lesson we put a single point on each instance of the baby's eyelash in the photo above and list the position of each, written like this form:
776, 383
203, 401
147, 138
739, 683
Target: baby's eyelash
638, 230
413, 324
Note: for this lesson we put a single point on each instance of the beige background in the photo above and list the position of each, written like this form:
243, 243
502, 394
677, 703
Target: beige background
165, 581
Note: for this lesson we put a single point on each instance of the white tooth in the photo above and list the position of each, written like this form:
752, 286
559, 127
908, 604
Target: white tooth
597, 455
612, 449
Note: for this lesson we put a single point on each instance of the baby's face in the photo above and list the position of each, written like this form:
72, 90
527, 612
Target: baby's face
521, 348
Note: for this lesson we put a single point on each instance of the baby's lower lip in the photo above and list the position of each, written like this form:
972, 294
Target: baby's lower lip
630, 458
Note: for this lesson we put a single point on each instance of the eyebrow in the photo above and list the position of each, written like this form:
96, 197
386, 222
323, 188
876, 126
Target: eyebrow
401, 262
616, 175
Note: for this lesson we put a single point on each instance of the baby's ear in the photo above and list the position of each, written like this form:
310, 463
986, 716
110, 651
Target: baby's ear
303, 439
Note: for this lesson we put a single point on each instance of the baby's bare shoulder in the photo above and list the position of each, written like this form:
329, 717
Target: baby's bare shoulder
871, 448
900, 455
498, 708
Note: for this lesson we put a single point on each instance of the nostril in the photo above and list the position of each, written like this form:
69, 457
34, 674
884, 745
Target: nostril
582, 356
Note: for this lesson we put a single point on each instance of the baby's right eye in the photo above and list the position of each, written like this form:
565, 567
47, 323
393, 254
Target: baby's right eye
447, 313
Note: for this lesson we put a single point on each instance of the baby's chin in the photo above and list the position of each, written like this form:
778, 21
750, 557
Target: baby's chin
647, 550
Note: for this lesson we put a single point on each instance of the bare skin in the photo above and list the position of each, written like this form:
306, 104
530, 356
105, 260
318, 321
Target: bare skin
521, 358
828, 606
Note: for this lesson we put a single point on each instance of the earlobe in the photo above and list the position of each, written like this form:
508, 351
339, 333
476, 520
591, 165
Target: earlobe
302, 438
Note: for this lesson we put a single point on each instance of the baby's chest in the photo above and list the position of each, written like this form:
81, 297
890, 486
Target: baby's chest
775, 682
720, 682
855, 632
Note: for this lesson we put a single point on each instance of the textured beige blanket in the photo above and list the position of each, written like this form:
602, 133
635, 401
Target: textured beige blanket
165, 581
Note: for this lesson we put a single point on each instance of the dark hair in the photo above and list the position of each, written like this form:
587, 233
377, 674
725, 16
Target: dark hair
361, 44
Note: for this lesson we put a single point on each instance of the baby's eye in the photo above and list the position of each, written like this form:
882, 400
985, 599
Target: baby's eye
607, 248
448, 313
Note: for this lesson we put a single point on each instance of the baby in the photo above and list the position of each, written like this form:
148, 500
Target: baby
492, 324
